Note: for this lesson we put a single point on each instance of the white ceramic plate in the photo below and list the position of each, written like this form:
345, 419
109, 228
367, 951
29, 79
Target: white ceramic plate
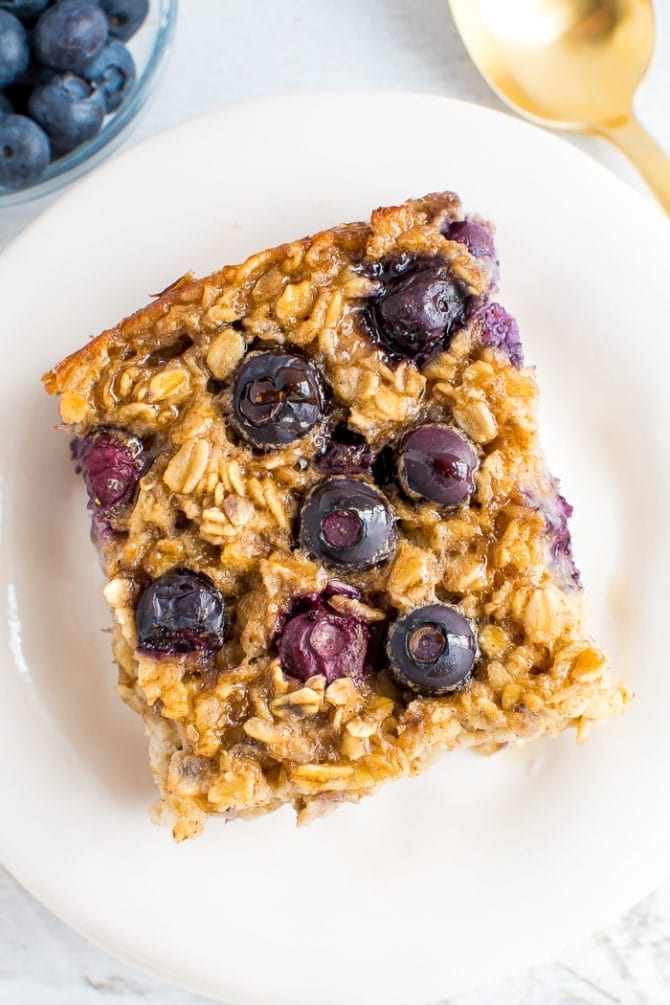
482, 865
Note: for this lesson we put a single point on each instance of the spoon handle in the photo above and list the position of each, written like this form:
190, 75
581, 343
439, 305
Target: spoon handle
634, 141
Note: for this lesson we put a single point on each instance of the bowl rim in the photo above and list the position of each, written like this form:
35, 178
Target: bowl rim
90, 153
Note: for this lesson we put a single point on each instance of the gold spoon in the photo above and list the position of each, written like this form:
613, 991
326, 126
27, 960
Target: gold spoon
570, 64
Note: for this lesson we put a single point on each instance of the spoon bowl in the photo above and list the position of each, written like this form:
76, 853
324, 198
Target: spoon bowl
570, 64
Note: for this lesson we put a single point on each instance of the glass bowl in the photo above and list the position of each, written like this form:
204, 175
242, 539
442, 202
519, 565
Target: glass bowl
149, 48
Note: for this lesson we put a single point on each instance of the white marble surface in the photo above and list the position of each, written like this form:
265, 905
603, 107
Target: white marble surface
231, 50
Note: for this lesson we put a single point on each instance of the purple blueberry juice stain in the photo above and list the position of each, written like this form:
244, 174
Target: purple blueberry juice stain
557, 511
500, 330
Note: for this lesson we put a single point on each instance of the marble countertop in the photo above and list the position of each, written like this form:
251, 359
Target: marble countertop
226, 52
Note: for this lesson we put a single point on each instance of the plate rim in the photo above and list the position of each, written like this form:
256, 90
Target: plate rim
136, 150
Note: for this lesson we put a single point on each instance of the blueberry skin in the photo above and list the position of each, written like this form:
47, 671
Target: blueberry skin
24, 151
69, 109
417, 311
70, 34
277, 398
14, 49
113, 72
181, 612
437, 463
432, 650
111, 463
125, 16
348, 524
318, 640
5, 106
476, 238
26, 10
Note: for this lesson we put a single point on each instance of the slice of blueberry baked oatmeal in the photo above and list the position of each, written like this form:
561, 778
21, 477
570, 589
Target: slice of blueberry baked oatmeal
332, 544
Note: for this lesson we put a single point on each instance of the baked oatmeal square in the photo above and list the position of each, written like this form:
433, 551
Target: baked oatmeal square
332, 543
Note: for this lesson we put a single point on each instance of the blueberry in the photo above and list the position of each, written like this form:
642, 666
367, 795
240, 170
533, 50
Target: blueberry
24, 151
70, 34
318, 640
5, 106
125, 16
69, 109
24, 9
111, 463
14, 49
181, 612
431, 650
113, 71
416, 312
437, 463
499, 329
277, 398
347, 523
345, 452
475, 237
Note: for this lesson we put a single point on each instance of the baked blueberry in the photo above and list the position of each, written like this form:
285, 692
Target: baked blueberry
181, 612
347, 523
437, 463
111, 463
476, 238
417, 311
318, 640
24, 151
69, 34
499, 329
345, 452
125, 16
113, 71
69, 109
14, 48
431, 650
276, 399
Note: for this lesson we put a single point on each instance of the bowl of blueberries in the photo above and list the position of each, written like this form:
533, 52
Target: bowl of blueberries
73, 74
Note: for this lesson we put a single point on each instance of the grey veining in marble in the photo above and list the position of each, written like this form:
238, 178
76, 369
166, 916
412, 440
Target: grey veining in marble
231, 50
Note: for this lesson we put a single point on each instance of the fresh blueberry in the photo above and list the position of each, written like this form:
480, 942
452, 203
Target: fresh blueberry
111, 463
5, 106
70, 34
277, 398
26, 10
316, 639
125, 16
431, 650
437, 463
113, 72
417, 311
24, 151
345, 452
347, 523
14, 49
499, 329
69, 109
181, 612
